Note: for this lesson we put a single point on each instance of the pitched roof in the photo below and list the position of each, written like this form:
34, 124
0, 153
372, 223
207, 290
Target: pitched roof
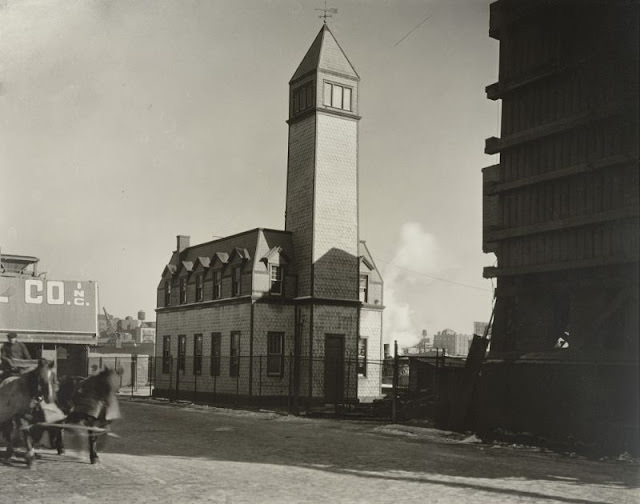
171, 268
325, 54
205, 261
276, 251
246, 245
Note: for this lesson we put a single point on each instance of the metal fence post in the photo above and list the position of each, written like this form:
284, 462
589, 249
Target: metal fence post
290, 392
151, 372
394, 390
260, 379
195, 380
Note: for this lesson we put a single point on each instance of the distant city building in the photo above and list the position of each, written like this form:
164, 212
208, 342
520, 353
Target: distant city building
480, 327
452, 342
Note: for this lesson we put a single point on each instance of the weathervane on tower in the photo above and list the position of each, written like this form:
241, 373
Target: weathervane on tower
327, 12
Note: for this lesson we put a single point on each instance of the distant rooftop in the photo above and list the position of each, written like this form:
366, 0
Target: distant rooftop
18, 265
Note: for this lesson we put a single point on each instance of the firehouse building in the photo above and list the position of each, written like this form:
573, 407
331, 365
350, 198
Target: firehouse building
271, 313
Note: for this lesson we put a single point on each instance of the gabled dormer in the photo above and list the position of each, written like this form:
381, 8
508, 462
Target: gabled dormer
196, 290
182, 276
370, 281
218, 263
238, 259
276, 262
164, 291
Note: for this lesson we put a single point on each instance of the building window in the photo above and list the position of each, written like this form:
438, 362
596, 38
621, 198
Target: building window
199, 287
275, 354
336, 96
216, 339
183, 290
303, 98
234, 354
167, 293
362, 356
217, 284
197, 354
166, 354
276, 273
364, 288
235, 281
182, 351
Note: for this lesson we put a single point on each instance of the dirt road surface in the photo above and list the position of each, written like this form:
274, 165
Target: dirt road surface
185, 454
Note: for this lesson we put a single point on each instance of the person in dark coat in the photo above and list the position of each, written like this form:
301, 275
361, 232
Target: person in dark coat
12, 353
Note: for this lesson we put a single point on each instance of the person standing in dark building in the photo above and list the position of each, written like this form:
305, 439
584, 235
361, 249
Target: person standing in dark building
11, 353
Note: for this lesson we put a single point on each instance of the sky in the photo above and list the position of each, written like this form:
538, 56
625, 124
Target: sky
125, 123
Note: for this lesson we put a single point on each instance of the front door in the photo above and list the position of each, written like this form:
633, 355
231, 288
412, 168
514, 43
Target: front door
334, 368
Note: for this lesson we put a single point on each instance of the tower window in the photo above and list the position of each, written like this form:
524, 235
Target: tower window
303, 98
336, 96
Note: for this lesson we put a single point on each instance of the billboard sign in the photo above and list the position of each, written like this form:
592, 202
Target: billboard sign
35, 305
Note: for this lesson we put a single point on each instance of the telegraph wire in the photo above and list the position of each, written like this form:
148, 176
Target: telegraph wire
461, 284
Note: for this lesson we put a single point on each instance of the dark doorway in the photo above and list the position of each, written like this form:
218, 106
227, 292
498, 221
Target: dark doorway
334, 368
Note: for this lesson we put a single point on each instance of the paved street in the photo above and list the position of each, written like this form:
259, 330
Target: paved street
179, 453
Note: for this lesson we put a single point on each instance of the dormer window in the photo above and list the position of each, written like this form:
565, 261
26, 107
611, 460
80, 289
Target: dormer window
276, 275
167, 293
217, 284
364, 288
303, 98
199, 287
235, 281
336, 96
183, 290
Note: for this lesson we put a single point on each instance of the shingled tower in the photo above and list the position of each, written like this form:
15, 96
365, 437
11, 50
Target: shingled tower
322, 195
322, 176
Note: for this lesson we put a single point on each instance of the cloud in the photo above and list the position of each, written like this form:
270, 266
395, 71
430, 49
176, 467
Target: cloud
426, 288
417, 261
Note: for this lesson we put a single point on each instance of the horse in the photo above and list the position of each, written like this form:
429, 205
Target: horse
90, 403
19, 399
65, 391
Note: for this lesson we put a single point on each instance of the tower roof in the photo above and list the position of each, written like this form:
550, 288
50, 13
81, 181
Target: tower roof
325, 54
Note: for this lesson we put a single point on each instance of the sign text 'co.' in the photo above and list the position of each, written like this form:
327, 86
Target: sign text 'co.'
52, 292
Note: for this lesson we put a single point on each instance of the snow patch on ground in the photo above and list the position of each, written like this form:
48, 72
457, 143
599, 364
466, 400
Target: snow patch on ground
419, 432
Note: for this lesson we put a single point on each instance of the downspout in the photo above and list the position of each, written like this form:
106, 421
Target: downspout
251, 349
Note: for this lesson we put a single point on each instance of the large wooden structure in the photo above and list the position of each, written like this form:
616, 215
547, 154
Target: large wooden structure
56, 319
561, 215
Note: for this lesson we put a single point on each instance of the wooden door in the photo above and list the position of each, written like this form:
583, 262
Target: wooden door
334, 368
